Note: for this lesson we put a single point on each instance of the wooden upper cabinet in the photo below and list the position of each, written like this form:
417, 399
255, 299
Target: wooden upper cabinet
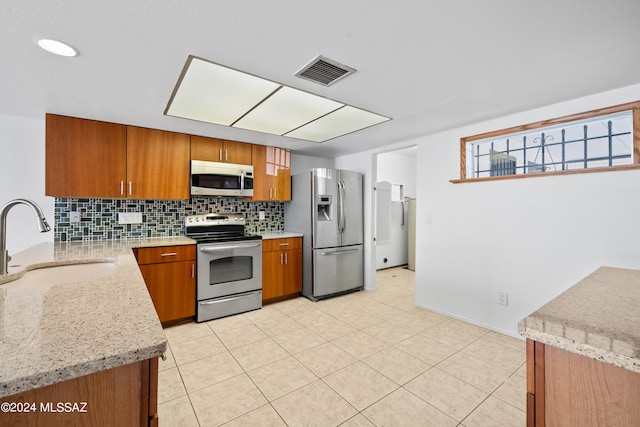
89, 158
157, 164
84, 158
237, 152
284, 177
272, 173
262, 176
208, 149
219, 150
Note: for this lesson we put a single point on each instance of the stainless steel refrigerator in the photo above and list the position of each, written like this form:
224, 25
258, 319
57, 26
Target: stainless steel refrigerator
327, 206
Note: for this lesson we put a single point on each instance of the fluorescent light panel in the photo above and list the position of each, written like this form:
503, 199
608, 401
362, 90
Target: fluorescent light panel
285, 110
341, 122
216, 94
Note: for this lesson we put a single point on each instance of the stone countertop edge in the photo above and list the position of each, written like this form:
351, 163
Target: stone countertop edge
280, 235
598, 318
81, 327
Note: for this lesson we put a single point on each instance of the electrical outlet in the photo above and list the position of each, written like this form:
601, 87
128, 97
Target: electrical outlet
503, 298
74, 216
129, 218
261, 215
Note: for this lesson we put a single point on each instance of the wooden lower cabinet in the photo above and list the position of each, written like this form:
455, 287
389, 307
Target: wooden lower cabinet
568, 389
281, 267
169, 273
122, 396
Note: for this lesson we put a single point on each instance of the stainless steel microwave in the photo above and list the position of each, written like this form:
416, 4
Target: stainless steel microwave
221, 179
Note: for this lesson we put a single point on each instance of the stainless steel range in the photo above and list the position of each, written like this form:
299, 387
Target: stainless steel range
229, 264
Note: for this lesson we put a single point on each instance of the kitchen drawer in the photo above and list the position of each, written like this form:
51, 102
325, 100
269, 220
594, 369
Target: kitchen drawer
155, 255
270, 245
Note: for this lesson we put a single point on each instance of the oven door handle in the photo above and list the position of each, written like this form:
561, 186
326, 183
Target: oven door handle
207, 249
231, 298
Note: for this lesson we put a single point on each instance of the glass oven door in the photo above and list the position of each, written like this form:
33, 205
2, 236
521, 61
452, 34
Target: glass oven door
228, 268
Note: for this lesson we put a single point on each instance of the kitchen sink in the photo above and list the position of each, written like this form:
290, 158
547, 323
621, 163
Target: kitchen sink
56, 275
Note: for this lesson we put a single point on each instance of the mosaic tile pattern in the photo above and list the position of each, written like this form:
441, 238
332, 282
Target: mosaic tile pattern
160, 218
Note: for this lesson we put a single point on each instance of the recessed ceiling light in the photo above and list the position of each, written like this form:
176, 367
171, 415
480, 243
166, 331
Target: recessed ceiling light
56, 47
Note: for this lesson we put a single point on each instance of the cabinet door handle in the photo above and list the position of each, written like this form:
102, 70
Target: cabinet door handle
281, 259
226, 155
275, 193
284, 244
220, 154
286, 258
122, 188
271, 193
169, 254
130, 188
193, 271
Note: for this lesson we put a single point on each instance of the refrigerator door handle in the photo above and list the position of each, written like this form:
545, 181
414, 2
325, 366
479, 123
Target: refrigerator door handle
341, 218
350, 251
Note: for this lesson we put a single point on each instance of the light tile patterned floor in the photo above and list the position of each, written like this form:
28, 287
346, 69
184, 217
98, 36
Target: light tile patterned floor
363, 359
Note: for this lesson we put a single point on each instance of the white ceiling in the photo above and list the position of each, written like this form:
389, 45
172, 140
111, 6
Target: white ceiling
430, 65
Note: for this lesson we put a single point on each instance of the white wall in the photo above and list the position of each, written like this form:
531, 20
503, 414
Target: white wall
398, 169
301, 163
532, 238
22, 175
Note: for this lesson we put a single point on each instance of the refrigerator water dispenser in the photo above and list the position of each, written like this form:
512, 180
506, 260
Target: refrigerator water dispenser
324, 208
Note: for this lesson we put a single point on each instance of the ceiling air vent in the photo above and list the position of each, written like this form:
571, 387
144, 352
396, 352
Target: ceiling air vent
324, 71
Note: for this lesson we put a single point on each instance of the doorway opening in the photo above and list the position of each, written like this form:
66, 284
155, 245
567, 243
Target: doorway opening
394, 208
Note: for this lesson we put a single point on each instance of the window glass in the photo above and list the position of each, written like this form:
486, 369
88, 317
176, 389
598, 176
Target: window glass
596, 142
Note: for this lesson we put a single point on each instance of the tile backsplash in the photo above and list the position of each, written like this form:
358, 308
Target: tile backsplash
160, 218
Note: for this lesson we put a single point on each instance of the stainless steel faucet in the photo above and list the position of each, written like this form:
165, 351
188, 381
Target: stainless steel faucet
42, 225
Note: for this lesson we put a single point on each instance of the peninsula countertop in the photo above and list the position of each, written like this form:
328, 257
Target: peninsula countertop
599, 317
52, 333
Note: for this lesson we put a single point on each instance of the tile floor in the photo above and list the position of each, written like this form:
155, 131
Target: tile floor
363, 359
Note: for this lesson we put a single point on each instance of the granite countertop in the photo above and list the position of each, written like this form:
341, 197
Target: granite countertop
599, 317
280, 235
54, 332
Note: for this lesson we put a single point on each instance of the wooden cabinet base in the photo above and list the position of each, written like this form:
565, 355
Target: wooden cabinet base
122, 396
281, 269
567, 389
280, 298
169, 273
